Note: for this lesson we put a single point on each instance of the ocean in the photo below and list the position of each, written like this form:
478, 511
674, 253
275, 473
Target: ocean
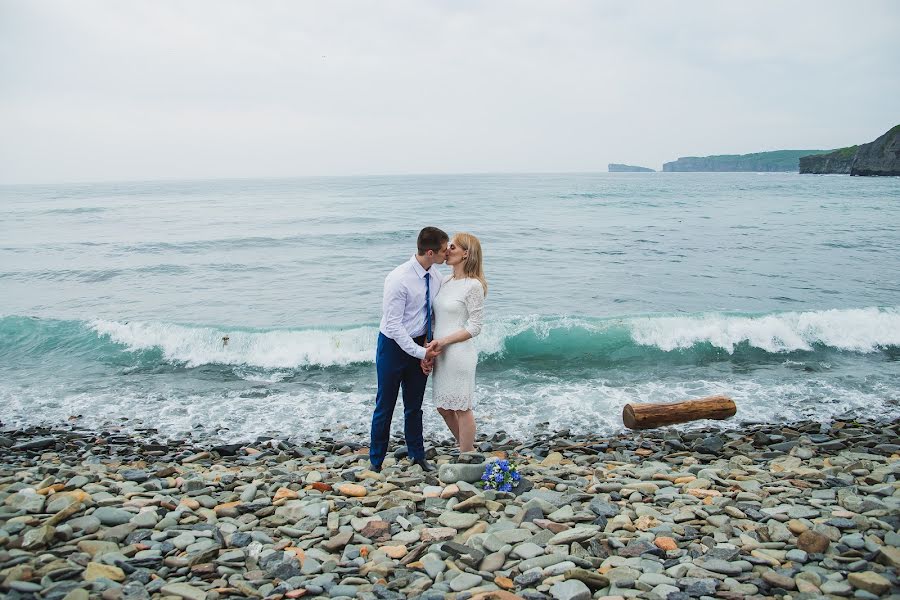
779, 290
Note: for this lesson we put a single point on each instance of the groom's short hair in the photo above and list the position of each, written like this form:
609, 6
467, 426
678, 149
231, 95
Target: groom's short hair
431, 238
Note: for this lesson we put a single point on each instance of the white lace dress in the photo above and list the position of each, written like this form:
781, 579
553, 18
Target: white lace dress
459, 305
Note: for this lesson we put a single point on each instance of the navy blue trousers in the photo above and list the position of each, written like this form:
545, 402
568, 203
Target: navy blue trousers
397, 371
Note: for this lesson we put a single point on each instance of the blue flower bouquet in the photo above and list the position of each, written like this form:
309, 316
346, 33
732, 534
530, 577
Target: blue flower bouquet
500, 475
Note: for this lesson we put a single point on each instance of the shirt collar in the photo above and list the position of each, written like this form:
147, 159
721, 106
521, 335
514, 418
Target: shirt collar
420, 271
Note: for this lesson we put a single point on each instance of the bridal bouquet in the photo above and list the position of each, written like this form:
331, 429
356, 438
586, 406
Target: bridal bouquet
500, 475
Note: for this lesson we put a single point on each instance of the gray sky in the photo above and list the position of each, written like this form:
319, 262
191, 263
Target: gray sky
154, 89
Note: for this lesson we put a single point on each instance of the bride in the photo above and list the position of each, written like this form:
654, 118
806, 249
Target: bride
458, 316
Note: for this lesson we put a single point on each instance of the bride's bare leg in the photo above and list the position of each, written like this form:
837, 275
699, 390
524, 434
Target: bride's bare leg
451, 421
466, 424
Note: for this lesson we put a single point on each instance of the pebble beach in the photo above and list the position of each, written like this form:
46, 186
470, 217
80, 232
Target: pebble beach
796, 511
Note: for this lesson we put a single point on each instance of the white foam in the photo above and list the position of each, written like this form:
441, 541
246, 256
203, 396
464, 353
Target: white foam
277, 349
584, 407
856, 330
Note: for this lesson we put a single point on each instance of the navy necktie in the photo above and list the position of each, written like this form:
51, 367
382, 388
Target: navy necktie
427, 307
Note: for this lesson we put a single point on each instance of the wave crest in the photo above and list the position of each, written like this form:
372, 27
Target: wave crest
854, 330
276, 349
539, 341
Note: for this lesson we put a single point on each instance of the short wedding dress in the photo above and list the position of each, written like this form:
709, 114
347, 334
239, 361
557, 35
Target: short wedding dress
459, 305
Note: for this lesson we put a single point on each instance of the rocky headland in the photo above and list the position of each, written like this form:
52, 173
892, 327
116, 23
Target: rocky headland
758, 162
880, 157
795, 511
620, 168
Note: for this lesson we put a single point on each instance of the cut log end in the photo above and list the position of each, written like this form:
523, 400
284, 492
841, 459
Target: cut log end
649, 416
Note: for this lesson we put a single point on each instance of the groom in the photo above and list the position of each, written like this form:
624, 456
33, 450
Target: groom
404, 339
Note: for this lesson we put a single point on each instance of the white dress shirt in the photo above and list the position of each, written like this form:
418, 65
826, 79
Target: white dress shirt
403, 307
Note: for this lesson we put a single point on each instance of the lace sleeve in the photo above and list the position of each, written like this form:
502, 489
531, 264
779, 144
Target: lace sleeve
475, 306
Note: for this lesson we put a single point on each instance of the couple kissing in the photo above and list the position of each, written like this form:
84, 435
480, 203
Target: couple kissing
427, 325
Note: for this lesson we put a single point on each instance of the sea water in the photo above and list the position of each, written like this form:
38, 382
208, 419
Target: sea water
779, 290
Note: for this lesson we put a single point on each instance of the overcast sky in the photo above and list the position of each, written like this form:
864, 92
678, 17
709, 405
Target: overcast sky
122, 90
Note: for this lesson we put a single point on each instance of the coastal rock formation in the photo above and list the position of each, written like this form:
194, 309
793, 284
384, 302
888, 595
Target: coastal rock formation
758, 162
880, 157
620, 168
839, 162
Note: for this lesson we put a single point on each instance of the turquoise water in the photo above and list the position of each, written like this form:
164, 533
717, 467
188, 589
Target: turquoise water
780, 290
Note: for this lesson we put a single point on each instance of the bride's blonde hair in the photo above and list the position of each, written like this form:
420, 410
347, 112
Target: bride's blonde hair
472, 265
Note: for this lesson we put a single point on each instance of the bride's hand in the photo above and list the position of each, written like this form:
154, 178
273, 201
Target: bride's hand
427, 365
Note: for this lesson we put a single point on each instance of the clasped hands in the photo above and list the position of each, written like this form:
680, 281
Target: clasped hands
432, 350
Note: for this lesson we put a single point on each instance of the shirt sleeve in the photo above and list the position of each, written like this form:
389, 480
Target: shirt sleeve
393, 306
475, 306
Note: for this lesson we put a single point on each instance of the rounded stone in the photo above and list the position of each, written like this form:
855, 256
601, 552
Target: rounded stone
457, 520
456, 472
571, 589
464, 581
527, 550
110, 516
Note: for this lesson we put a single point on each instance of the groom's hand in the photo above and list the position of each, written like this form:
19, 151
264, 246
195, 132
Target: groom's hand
427, 366
432, 349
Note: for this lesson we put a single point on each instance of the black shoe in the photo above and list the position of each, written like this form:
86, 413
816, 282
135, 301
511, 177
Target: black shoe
375, 469
426, 466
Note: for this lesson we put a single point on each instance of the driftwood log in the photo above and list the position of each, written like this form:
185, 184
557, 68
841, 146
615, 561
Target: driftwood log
648, 416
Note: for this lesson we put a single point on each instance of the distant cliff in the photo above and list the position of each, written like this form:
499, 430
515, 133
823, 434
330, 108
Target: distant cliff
839, 161
881, 157
778, 160
617, 168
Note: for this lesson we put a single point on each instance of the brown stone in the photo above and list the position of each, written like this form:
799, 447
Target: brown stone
97, 548
350, 489
777, 580
496, 595
796, 526
551, 525
813, 542
452, 490
284, 493
322, 487
376, 530
395, 552
437, 534
703, 493
871, 582
646, 522
504, 583
553, 459
203, 569
337, 541
65, 513
890, 556
97, 570
227, 509
665, 543
478, 527
592, 579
